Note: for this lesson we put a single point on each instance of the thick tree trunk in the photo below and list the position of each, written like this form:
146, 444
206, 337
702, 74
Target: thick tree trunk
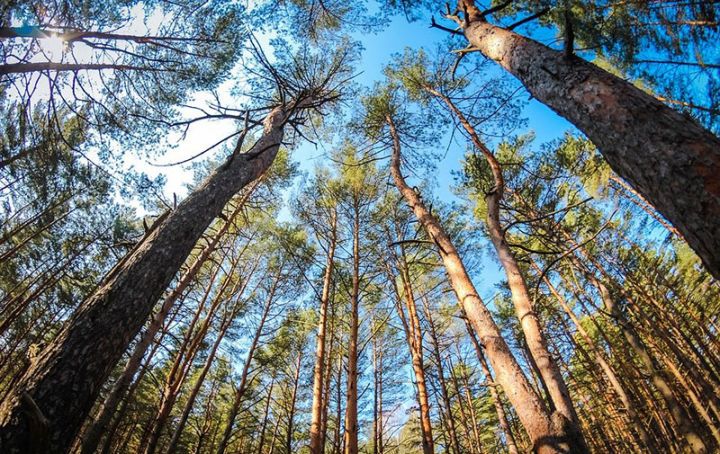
547, 436
93, 434
351, 405
316, 435
49, 405
666, 156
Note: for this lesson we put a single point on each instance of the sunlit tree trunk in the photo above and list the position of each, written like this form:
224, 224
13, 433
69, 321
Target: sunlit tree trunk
666, 156
48, 406
529, 320
351, 404
184, 358
316, 435
452, 430
414, 337
494, 394
547, 436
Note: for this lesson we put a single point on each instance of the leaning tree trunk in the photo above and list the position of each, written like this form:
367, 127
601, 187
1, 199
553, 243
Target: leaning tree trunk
48, 406
547, 435
524, 307
99, 426
666, 156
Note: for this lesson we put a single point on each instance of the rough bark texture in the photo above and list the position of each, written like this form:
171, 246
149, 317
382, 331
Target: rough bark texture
666, 156
316, 435
66, 378
547, 436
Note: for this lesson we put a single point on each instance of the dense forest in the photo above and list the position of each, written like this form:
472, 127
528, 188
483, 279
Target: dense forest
392, 227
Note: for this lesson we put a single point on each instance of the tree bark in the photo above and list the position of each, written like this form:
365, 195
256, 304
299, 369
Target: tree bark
316, 435
414, 337
524, 309
93, 434
67, 377
666, 156
351, 405
547, 435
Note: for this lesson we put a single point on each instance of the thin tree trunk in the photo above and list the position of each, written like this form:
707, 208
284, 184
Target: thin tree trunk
180, 425
293, 403
452, 432
656, 376
266, 414
494, 394
629, 406
316, 436
666, 156
547, 436
242, 387
64, 382
351, 405
414, 337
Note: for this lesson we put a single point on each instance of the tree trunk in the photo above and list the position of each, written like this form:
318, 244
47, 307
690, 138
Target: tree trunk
351, 405
316, 436
656, 376
666, 156
414, 336
526, 314
293, 403
242, 387
49, 405
494, 394
602, 363
452, 431
547, 435
180, 425
266, 415
92, 435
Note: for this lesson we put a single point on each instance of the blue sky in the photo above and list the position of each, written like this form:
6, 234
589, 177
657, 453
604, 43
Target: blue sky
378, 51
